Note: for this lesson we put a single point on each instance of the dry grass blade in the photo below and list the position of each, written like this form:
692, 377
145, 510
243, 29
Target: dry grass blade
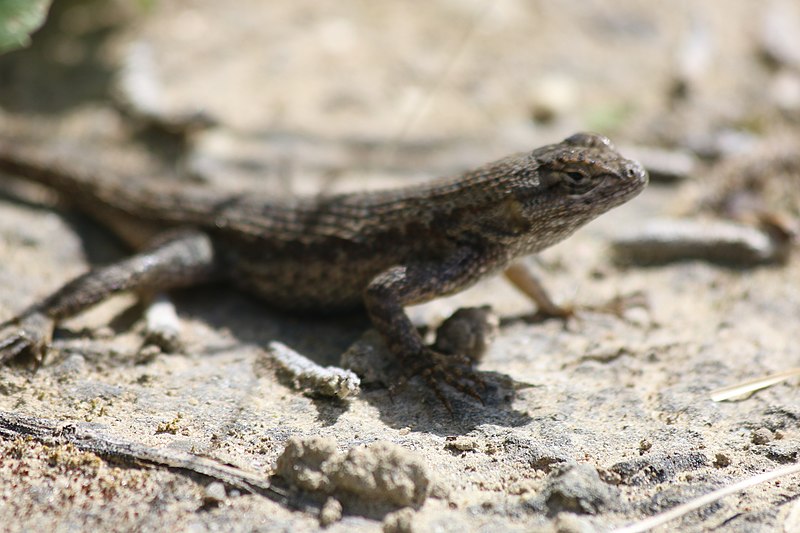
676, 512
750, 386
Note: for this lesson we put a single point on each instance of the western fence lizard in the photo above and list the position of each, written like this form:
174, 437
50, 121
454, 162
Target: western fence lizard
378, 250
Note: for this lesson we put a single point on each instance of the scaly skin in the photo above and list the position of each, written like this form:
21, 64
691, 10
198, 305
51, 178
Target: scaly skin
379, 250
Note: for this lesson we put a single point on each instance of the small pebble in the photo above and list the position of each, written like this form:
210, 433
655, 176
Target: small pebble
398, 521
761, 436
462, 443
214, 493
644, 446
148, 353
331, 512
722, 460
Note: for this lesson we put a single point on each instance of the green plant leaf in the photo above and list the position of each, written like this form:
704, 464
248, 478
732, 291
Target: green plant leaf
18, 19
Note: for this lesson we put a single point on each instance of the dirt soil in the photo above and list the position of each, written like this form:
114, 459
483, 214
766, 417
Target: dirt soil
589, 425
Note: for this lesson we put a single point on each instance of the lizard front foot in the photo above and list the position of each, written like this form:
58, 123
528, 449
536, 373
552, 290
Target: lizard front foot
29, 333
454, 370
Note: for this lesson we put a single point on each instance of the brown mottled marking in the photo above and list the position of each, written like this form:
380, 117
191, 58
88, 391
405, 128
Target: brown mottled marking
380, 250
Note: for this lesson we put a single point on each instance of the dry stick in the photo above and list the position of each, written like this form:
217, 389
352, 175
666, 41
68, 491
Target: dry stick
753, 385
684, 508
14, 426
328, 381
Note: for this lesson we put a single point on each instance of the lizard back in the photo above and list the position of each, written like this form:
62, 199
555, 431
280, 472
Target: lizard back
321, 252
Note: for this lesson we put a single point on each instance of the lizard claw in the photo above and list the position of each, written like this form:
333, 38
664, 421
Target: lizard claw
30, 333
454, 370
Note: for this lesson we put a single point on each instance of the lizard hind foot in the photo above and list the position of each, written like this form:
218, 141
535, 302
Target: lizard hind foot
454, 370
29, 333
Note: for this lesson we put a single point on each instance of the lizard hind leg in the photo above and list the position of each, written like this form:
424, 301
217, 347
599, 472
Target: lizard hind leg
176, 259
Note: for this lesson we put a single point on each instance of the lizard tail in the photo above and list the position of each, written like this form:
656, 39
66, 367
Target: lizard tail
37, 166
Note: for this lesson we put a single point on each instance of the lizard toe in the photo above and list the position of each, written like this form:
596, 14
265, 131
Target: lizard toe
435, 386
28, 334
454, 370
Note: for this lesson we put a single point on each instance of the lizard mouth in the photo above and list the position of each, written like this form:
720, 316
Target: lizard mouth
633, 178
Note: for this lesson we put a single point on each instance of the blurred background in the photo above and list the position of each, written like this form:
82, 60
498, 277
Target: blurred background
359, 88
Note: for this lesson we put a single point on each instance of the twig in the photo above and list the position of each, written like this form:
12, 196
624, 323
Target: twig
328, 381
87, 439
684, 508
750, 386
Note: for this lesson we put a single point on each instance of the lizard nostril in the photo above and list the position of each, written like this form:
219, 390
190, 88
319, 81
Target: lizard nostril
634, 170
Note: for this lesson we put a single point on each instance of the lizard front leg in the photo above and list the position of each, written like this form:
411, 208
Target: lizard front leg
389, 292
178, 259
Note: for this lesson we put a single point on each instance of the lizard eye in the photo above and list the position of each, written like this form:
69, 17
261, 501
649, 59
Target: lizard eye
577, 182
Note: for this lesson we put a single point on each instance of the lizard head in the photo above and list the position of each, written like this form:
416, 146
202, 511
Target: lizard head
563, 186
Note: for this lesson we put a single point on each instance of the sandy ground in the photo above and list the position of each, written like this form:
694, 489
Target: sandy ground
586, 426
